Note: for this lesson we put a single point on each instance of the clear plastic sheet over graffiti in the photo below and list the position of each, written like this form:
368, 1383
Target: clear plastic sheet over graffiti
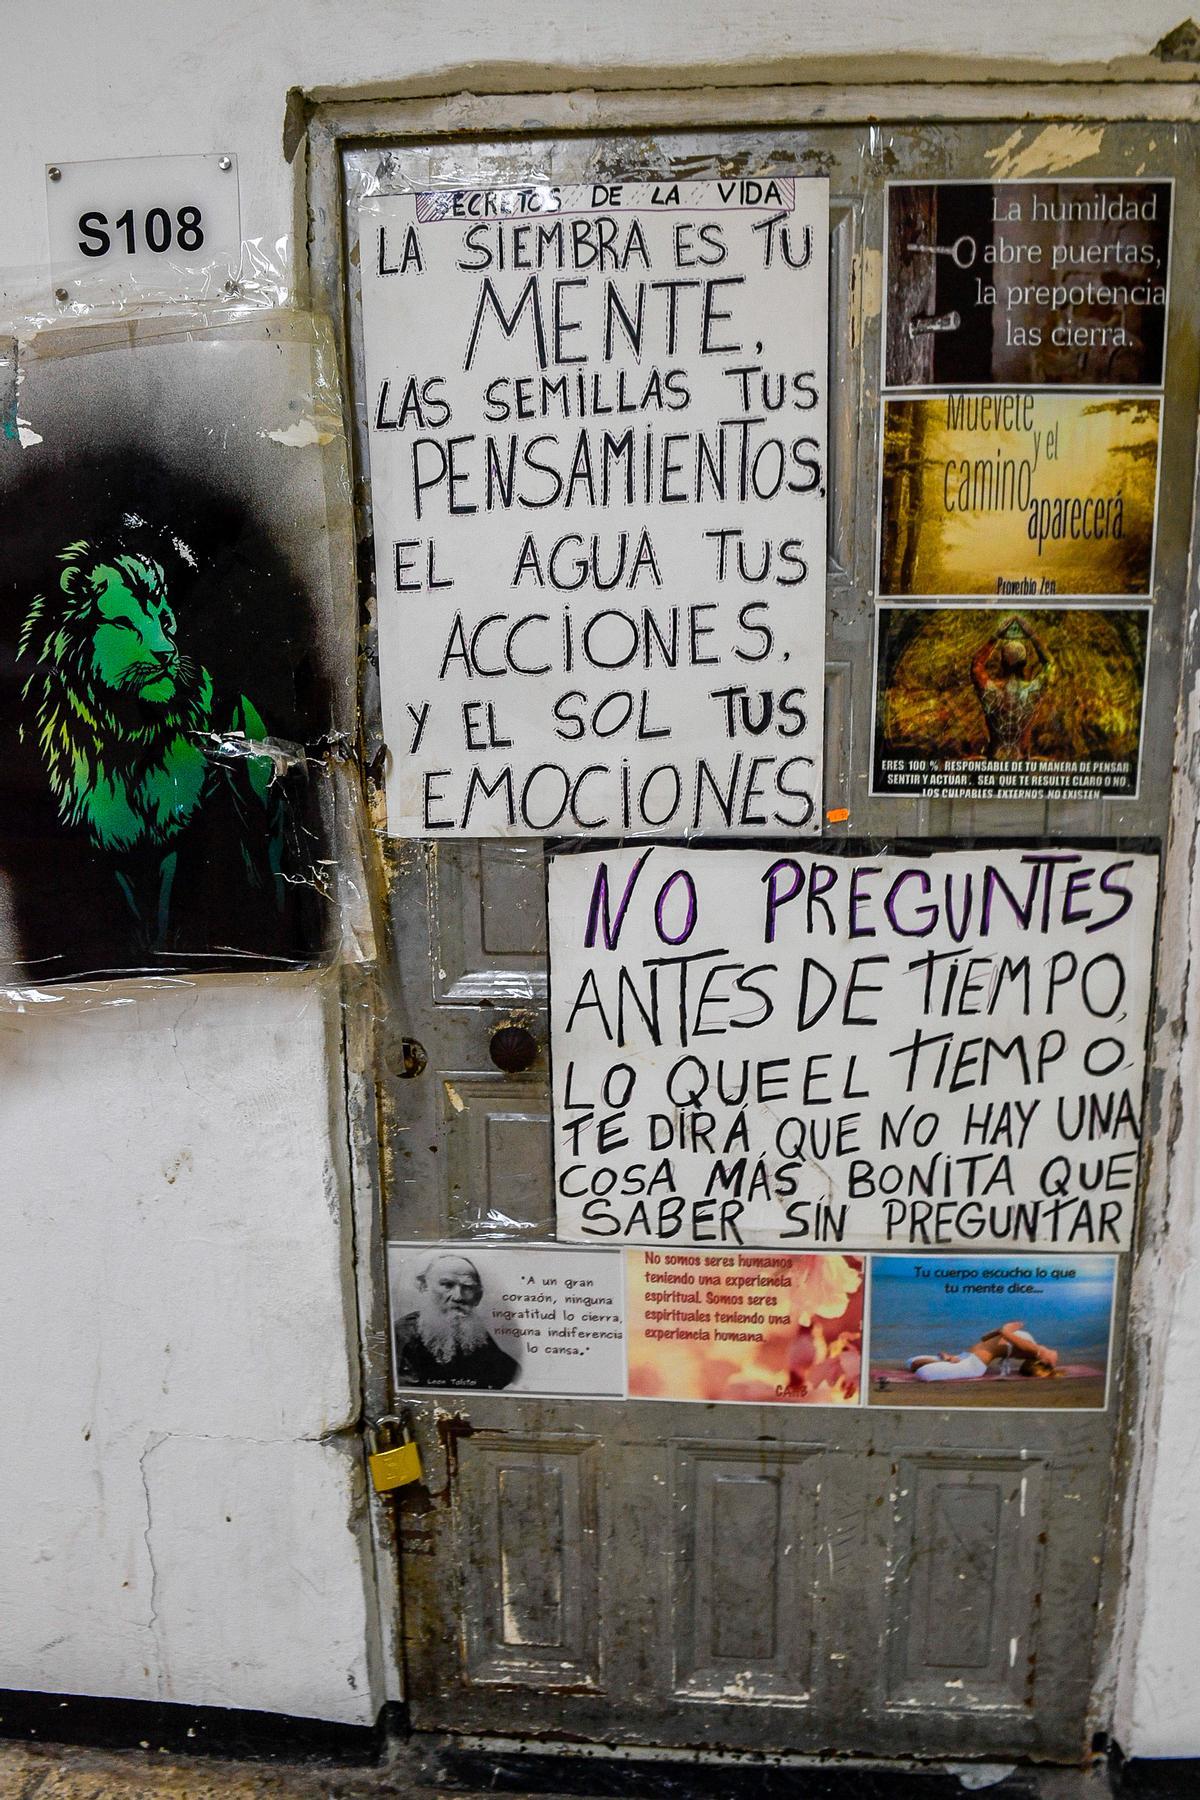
178, 787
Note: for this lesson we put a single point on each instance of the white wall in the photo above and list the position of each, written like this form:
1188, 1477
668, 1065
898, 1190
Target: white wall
176, 1326
1157, 1694
175, 1350
140, 77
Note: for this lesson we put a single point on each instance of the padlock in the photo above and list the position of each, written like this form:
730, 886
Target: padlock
394, 1459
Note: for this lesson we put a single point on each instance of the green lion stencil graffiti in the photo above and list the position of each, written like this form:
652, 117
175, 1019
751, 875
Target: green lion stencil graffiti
125, 729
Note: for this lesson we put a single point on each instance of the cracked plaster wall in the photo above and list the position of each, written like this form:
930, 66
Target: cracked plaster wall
1157, 1696
178, 1508
175, 1520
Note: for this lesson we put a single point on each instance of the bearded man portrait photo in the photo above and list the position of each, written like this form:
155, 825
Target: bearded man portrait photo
442, 1341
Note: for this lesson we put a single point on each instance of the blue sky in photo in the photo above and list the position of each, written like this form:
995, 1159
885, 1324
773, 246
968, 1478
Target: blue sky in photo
913, 1315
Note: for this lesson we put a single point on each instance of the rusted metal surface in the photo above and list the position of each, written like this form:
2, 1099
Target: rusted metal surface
879, 1583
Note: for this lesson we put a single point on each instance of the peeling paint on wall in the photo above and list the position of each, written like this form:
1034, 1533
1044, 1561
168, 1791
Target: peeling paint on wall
1180, 45
1056, 147
302, 435
869, 278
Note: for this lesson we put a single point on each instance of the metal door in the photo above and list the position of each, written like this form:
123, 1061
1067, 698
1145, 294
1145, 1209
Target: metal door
778, 1580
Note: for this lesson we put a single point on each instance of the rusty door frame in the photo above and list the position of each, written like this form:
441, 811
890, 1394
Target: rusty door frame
321, 129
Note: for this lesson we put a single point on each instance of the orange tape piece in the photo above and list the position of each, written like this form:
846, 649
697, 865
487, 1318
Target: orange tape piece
837, 815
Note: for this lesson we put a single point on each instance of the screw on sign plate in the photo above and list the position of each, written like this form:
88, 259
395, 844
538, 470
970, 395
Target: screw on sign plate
394, 1460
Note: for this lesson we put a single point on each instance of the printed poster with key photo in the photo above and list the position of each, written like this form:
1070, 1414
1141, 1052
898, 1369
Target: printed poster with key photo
1027, 283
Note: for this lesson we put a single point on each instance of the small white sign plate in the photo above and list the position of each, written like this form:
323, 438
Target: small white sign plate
143, 227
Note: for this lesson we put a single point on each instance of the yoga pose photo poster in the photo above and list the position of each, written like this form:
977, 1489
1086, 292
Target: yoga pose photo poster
176, 649
1024, 1332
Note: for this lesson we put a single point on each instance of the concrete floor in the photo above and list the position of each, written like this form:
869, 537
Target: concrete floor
52, 1772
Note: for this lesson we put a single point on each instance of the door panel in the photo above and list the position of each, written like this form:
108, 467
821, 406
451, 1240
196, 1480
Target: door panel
587, 1569
882, 1582
497, 1137
531, 1611
489, 924
961, 1617
745, 1547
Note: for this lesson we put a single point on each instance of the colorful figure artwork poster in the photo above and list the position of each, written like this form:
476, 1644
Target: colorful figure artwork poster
176, 656
983, 702
1014, 1333
1027, 283
1019, 495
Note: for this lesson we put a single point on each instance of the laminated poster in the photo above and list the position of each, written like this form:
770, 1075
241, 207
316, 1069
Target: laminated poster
597, 426
172, 662
850, 1052
1029, 1333
552, 1322
507, 1318
1039, 308
1027, 283
987, 703
1019, 495
545, 1320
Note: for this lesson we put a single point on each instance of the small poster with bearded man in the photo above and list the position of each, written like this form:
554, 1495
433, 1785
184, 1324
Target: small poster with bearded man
508, 1318
176, 649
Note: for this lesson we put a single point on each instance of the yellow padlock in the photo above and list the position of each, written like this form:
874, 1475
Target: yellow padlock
392, 1464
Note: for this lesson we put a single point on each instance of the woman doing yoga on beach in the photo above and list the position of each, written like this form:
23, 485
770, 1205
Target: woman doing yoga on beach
1010, 1340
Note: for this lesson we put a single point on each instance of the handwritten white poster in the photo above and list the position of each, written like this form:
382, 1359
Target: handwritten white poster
597, 421
870, 1051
